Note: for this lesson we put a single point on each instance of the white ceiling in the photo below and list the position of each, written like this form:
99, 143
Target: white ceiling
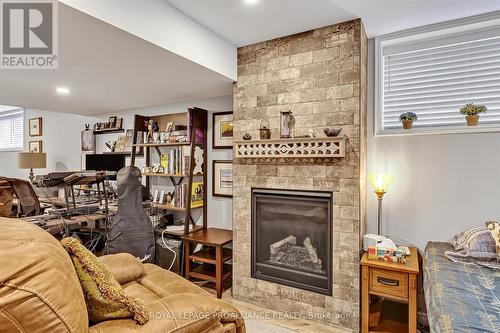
243, 24
107, 70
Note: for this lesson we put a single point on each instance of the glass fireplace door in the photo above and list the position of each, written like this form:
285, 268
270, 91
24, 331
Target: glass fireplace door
292, 238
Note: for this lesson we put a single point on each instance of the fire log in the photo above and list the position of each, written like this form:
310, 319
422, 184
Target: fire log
276, 247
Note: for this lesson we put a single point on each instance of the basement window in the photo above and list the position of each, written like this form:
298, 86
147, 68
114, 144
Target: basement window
434, 71
11, 128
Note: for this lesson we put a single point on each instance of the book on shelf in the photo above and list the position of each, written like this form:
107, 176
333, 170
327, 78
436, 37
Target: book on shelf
181, 192
176, 161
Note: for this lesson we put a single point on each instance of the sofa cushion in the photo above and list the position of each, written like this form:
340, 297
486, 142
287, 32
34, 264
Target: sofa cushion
137, 290
166, 283
181, 313
39, 289
124, 267
103, 294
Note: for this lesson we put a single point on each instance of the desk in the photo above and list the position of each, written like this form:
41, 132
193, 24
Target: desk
213, 256
57, 225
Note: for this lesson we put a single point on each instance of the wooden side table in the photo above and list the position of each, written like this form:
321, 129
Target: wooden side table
213, 256
392, 281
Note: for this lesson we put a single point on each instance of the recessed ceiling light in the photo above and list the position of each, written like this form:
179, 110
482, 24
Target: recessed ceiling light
251, 1
62, 90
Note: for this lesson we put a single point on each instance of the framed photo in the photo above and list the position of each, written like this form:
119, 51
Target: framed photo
35, 126
222, 178
35, 146
112, 122
88, 141
222, 130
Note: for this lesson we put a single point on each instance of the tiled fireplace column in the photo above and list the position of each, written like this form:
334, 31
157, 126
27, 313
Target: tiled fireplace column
320, 76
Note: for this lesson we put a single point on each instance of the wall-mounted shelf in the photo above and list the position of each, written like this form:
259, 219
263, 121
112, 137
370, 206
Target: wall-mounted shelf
291, 148
109, 131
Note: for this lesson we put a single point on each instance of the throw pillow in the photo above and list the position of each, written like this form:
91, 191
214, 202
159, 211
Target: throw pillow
104, 296
475, 245
494, 228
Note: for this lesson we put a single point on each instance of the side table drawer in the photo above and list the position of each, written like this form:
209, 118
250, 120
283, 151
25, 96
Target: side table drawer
389, 282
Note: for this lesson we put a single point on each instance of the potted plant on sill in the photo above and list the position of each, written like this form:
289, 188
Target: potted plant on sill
407, 119
471, 112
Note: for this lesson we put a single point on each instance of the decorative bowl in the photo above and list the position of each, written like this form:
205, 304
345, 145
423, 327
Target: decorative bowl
332, 132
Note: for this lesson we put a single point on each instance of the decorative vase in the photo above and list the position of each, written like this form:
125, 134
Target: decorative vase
407, 124
472, 120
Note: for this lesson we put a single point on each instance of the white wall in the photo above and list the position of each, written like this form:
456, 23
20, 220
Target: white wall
443, 184
159, 23
219, 208
61, 142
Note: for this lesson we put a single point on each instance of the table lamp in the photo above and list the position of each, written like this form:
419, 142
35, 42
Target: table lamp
31, 161
380, 183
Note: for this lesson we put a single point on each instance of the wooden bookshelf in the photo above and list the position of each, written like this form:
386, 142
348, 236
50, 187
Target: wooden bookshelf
167, 144
196, 120
159, 174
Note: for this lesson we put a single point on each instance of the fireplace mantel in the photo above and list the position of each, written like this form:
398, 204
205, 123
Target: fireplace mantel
291, 148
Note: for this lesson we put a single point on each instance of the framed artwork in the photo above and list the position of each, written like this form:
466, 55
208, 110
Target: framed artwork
222, 178
88, 140
35, 146
35, 126
222, 130
112, 121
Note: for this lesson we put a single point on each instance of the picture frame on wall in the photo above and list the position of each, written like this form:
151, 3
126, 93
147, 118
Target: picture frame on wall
222, 178
35, 126
35, 146
222, 130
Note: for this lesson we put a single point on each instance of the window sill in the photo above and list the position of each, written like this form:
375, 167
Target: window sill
440, 131
11, 150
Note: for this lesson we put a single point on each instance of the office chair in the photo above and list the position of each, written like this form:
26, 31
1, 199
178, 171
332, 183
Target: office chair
29, 205
5, 198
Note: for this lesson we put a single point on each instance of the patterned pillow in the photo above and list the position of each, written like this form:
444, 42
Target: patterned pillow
494, 228
104, 296
475, 245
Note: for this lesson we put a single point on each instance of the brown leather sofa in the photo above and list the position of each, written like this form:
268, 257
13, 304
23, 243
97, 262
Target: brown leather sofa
40, 291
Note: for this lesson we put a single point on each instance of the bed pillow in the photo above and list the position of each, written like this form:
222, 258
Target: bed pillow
475, 245
104, 296
494, 228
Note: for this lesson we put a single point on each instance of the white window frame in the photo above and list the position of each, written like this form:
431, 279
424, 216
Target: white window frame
469, 24
17, 149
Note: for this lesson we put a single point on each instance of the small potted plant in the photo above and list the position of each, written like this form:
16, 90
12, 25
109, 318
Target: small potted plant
407, 119
471, 112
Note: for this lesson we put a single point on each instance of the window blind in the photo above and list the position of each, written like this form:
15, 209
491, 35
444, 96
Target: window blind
435, 82
12, 129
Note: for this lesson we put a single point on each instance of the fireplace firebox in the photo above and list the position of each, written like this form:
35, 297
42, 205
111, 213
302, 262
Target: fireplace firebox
292, 238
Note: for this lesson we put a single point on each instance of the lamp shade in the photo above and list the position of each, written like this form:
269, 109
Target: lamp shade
380, 181
31, 160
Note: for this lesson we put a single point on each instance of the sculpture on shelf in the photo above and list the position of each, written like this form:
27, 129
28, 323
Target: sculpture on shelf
247, 137
151, 126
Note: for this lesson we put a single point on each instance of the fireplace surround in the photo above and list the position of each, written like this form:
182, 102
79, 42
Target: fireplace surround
292, 238
320, 76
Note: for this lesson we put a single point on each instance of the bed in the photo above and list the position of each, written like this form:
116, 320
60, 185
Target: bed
460, 297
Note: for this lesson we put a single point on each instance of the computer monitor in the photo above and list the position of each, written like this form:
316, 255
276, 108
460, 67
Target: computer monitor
104, 162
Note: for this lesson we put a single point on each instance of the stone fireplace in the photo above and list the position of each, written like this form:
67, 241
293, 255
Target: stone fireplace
290, 255
292, 238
